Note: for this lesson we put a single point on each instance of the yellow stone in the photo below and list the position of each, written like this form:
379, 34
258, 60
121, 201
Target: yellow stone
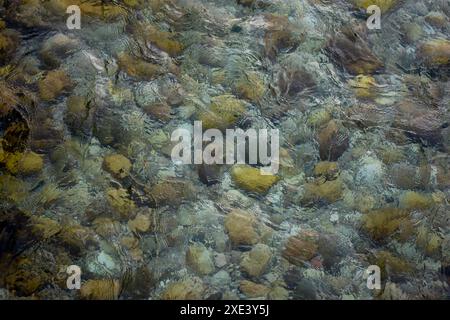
118, 165
250, 87
415, 200
24, 163
103, 289
251, 179
384, 5
435, 52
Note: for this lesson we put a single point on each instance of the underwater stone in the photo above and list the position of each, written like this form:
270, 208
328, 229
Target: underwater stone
434, 53
251, 179
250, 87
365, 87
301, 247
137, 67
252, 289
415, 200
25, 277
57, 48
141, 223
25, 164
44, 228
383, 223
199, 259
327, 169
187, 289
9, 42
391, 265
53, 84
118, 165
278, 293
171, 192
351, 52
77, 238
255, 262
104, 289
106, 227
329, 191
333, 141
119, 200
384, 5
223, 112
160, 111
281, 35
242, 227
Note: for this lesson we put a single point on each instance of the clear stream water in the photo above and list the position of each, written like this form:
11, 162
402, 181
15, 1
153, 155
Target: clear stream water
86, 176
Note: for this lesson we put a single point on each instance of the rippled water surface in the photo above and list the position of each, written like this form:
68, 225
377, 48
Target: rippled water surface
87, 179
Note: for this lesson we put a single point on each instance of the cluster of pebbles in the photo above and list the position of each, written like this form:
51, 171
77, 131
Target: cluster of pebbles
86, 176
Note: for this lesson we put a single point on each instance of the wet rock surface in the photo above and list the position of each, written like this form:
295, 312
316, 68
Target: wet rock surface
86, 176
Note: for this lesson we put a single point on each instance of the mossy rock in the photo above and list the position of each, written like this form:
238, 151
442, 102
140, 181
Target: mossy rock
321, 190
252, 289
255, 262
54, 84
118, 165
243, 228
106, 227
435, 53
186, 289
119, 199
365, 87
301, 247
415, 201
223, 113
12, 188
199, 259
104, 289
333, 141
171, 192
164, 40
44, 228
429, 241
141, 223
384, 5
350, 51
327, 169
250, 87
27, 163
383, 223
77, 238
391, 265
251, 179
25, 278
138, 68
9, 42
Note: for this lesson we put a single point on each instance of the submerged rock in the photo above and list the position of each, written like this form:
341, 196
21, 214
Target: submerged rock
252, 289
199, 258
187, 289
255, 262
435, 53
243, 227
54, 84
383, 223
57, 48
223, 113
251, 179
350, 51
301, 247
104, 289
333, 141
118, 165
138, 68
